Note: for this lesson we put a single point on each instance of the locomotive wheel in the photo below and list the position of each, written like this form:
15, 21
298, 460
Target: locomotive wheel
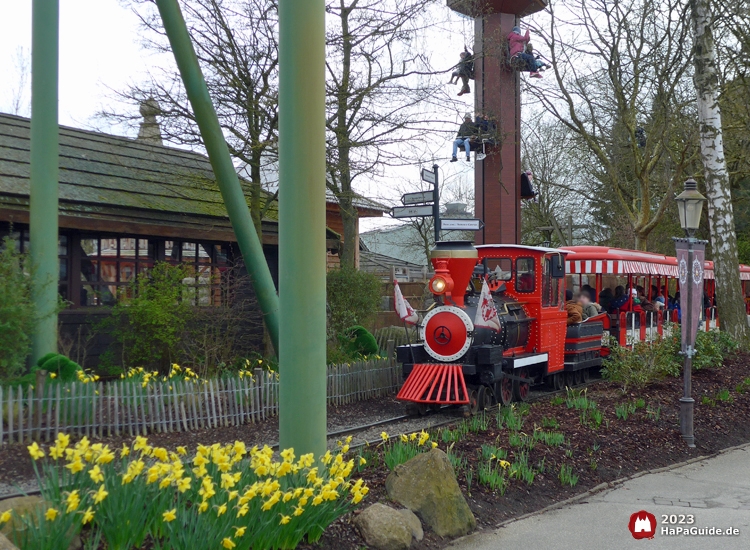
558, 381
473, 400
521, 389
435, 407
486, 398
504, 392
570, 379
586, 375
579, 377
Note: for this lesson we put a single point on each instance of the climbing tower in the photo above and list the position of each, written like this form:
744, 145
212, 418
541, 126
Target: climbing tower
497, 92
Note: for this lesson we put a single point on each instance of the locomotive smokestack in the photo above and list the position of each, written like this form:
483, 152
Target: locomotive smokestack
459, 257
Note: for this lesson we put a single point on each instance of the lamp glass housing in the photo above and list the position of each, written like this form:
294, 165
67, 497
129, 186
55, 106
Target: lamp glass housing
690, 206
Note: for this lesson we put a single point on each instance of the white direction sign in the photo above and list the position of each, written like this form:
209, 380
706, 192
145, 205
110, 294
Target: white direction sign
428, 175
418, 198
461, 224
411, 211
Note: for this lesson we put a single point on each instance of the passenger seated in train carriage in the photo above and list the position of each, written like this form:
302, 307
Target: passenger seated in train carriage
618, 300
605, 298
657, 297
573, 308
588, 308
516, 52
590, 291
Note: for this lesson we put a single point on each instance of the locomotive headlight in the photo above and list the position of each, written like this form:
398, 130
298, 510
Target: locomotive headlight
438, 285
441, 282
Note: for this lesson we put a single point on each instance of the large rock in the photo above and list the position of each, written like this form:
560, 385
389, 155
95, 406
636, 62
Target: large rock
20, 506
384, 528
5, 544
413, 522
427, 485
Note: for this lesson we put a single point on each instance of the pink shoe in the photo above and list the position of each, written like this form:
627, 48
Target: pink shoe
535, 75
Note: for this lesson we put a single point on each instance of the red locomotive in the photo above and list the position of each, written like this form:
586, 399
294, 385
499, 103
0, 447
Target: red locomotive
481, 345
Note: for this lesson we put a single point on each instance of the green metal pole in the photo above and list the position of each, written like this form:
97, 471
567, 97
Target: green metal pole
43, 195
218, 154
302, 259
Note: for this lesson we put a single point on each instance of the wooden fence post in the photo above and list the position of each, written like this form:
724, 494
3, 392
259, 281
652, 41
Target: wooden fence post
41, 380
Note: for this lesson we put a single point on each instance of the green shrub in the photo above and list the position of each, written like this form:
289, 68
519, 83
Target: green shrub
645, 363
353, 297
358, 342
149, 325
16, 311
64, 368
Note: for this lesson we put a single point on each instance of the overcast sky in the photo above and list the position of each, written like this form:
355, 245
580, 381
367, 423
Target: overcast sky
100, 52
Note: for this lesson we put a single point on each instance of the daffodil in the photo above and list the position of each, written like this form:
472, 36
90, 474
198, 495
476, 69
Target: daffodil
5, 516
96, 474
285, 520
125, 451
169, 515
221, 510
227, 543
72, 500
53, 375
35, 451
239, 531
88, 515
181, 451
50, 514
362, 461
384, 436
100, 495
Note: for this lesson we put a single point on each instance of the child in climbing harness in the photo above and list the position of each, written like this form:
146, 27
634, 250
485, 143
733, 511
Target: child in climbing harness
519, 59
464, 71
538, 65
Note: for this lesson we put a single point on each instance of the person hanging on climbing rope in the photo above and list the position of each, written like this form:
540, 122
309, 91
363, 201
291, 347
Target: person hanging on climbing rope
467, 130
518, 57
464, 71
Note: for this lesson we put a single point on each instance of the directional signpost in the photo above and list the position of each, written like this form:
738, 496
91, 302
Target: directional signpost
461, 224
422, 211
418, 198
424, 204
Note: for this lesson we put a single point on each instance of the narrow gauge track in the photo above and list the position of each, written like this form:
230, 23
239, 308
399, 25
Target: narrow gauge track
430, 421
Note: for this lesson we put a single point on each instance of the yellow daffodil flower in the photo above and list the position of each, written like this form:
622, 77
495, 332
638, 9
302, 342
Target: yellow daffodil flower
50, 514
285, 520
169, 515
239, 531
5, 516
100, 495
88, 515
35, 451
227, 543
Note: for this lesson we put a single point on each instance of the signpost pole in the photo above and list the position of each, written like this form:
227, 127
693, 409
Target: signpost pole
436, 203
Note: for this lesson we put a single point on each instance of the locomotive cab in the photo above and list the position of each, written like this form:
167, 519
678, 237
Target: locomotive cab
497, 327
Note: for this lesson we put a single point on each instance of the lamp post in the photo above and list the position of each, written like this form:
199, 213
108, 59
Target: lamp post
690, 206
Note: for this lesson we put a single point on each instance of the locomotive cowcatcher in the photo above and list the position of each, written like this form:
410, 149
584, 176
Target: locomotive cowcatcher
459, 363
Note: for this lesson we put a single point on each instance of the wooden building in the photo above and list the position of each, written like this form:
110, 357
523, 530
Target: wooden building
125, 204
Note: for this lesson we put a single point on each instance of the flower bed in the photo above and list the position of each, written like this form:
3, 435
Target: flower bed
142, 496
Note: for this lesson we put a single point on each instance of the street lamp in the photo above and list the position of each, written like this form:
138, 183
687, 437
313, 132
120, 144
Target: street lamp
690, 206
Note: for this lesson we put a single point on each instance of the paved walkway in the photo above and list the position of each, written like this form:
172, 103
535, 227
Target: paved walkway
716, 491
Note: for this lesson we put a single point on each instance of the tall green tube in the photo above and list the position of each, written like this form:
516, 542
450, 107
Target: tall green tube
218, 154
43, 195
302, 261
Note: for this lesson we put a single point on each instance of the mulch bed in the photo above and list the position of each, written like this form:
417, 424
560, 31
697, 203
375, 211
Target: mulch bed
618, 448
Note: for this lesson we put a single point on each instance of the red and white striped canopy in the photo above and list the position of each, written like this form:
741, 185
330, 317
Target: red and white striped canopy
620, 267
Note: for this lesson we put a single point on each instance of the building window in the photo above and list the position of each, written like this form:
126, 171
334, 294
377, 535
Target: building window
525, 275
207, 266
20, 235
109, 266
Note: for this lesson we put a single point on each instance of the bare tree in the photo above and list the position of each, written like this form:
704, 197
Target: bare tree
720, 213
618, 84
19, 96
237, 46
378, 83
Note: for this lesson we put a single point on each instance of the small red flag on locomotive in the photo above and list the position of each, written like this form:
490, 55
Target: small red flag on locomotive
405, 312
486, 312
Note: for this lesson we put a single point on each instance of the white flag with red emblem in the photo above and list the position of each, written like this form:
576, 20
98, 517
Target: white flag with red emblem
405, 312
486, 313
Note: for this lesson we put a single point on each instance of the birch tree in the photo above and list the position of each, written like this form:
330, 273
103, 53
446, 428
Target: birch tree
729, 296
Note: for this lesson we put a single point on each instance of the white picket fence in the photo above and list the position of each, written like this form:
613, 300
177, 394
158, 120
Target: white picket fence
125, 407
